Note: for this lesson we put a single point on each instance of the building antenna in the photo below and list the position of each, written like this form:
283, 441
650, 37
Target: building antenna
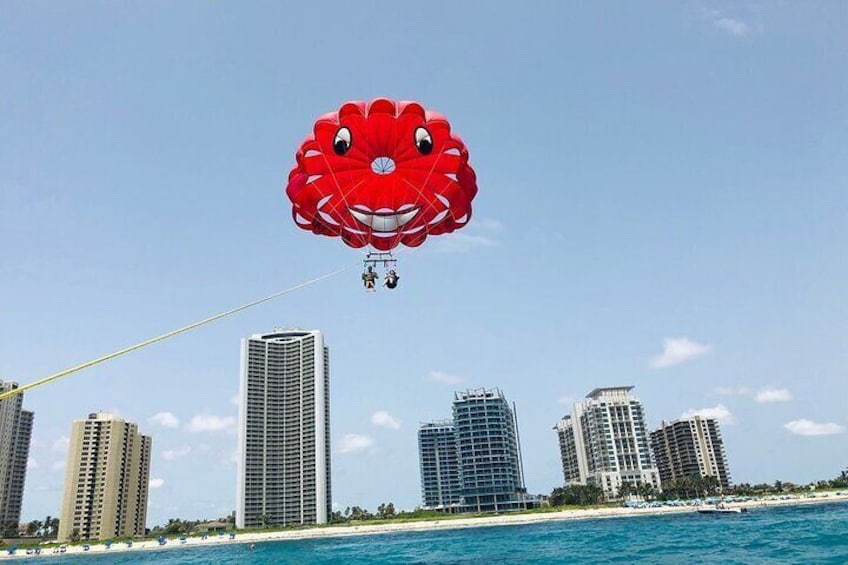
518, 441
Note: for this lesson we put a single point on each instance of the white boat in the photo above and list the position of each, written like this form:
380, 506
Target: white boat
719, 509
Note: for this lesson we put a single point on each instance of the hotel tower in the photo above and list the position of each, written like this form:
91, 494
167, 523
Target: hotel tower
284, 430
106, 479
15, 433
605, 442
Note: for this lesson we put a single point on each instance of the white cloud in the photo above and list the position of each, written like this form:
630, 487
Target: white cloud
32, 463
61, 445
718, 412
678, 350
733, 391
165, 419
809, 428
171, 454
767, 395
211, 423
235, 399
462, 242
385, 420
156, 483
488, 224
444, 378
732, 26
58, 465
567, 400
355, 443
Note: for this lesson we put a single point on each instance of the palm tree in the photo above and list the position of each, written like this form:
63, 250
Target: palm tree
33, 527
46, 526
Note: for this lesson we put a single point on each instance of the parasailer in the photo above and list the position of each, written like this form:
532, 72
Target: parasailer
369, 278
381, 174
391, 279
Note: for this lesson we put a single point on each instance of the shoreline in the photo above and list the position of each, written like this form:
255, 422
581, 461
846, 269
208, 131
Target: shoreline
412, 526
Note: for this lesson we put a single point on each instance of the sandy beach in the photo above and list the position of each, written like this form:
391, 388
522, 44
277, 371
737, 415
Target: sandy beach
416, 526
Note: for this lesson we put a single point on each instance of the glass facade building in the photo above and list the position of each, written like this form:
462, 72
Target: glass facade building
440, 485
481, 471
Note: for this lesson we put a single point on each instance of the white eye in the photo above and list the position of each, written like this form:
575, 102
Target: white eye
341, 143
423, 141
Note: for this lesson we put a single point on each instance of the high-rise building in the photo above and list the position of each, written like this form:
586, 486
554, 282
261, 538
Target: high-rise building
690, 446
284, 430
488, 451
605, 442
441, 488
106, 479
15, 434
473, 463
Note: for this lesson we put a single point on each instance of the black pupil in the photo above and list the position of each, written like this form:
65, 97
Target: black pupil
425, 145
340, 146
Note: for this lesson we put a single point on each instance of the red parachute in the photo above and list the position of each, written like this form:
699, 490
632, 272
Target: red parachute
381, 174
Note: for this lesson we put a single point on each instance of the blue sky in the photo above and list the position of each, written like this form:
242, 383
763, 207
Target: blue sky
662, 203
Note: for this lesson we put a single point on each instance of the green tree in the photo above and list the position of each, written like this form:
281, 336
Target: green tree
75, 535
576, 495
386, 510
337, 518
357, 513
646, 491
33, 527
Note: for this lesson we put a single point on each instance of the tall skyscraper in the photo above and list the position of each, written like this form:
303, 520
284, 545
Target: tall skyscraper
489, 452
106, 479
605, 442
15, 434
441, 488
473, 463
690, 446
284, 430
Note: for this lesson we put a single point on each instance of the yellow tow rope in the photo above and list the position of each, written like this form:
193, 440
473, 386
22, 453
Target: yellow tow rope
159, 338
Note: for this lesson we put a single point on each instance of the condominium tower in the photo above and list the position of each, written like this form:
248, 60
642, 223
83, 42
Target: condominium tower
106, 479
15, 434
441, 488
690, 446
473, 462
488, 451
284, 430
605, 442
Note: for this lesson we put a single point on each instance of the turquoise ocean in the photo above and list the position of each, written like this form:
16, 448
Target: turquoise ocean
816, 533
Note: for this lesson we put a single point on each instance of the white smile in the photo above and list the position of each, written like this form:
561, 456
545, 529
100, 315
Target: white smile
383, 220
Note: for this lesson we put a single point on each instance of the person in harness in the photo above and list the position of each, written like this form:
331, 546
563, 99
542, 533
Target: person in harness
391, 279
369, 279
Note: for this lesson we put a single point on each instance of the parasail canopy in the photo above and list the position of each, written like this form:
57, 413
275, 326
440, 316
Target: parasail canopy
381, 174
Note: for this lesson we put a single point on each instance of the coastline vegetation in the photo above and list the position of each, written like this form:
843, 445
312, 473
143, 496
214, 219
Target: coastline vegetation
572, 497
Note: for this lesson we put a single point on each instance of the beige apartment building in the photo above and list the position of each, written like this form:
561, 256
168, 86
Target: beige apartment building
691, 447
106, 480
